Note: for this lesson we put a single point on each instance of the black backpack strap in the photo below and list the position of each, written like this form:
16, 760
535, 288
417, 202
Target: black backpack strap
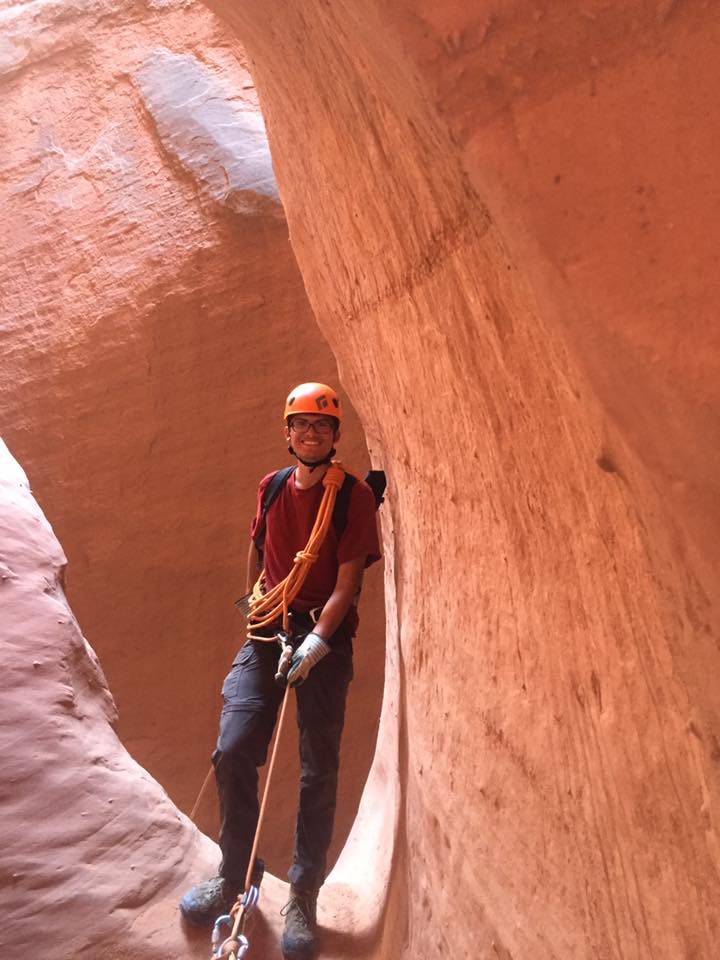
375, 479
342, 504
273, 488
377, 482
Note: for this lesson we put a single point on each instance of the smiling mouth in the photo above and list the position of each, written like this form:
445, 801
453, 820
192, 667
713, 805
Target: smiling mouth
310, 447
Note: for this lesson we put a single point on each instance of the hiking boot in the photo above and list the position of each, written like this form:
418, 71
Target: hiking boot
298, 939
207, 901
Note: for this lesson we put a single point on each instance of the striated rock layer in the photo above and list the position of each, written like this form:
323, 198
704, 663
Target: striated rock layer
153, 320
505, 217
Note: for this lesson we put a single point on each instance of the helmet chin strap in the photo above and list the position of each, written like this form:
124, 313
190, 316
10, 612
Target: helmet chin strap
316, 463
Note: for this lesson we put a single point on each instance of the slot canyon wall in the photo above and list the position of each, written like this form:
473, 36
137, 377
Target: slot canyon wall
506, 219
153, 320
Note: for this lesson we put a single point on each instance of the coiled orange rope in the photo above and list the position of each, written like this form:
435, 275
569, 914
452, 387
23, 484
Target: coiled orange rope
267, 608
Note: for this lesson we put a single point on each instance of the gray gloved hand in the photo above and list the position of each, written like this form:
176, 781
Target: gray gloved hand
284, 664
311, 651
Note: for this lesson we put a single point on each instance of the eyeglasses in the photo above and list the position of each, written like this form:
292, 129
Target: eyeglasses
322, 426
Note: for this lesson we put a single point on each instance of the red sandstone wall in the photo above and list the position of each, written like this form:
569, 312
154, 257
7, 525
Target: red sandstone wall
505, 219
154, 319
548, 748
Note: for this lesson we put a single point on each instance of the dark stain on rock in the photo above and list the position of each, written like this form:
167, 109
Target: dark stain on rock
596, 689
606, 464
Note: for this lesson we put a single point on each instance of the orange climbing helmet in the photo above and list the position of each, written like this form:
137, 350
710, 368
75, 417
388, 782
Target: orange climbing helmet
313, 398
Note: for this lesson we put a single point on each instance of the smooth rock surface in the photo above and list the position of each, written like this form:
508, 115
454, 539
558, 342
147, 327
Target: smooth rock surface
505, 216
223, 145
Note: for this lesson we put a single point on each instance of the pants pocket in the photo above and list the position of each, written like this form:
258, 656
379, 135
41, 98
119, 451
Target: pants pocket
231, 683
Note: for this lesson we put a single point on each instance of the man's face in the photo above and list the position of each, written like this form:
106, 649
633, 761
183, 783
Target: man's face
312, 436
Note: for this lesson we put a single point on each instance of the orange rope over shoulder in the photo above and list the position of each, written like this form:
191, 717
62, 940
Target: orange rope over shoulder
266, 608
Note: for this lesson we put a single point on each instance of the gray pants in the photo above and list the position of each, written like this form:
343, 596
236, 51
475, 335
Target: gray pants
251, 701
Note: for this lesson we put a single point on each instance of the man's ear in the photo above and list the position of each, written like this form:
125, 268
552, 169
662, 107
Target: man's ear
287, 432
336, 436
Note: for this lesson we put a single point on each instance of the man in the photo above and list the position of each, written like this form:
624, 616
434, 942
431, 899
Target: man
325, 617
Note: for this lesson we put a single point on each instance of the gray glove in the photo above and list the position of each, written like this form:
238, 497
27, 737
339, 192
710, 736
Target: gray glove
311, 651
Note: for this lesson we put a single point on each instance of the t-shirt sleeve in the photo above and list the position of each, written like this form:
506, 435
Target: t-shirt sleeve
261, 490
360, 536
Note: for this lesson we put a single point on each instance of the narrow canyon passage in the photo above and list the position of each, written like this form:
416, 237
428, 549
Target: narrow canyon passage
504, 219
554, 487
154, 318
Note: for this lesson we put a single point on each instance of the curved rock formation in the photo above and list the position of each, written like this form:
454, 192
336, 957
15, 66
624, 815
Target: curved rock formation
90, 842
504, 222
153, 320
503, 217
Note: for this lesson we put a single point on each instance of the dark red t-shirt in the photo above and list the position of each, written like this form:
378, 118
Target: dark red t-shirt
288, 524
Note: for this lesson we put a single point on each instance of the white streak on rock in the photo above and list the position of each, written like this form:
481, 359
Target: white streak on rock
221, 143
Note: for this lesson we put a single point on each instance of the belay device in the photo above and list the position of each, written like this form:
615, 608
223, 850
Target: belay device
236, 945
